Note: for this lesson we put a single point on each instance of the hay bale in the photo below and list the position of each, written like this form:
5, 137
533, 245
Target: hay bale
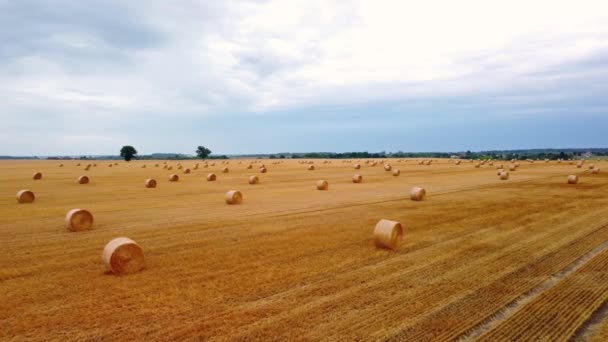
322, 185
388, 234
477, 165
263, 170
116, 164
357, 166
417, 193
60, 165
595, 170
311, 167
78, 219
253, 180
37, 176
211, 177
499, 171
186, 171
233, 197
150, 183
83, 180
458, 162
123, 256
504, 175
25, 196
387, 167
357, 178
249, 167
572, 179
155, 165
173, 178
170, 168
179, 167
500, 166
512, 168
225, 170
396, 172
591, 166
143, 166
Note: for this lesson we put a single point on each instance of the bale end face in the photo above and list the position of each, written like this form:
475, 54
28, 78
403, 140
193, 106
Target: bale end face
78, 220
388, 234
37, 176
572, 179
254, 180
150, 183
387, 167
263, 170
211, 177
311, 167
83, 180
123, 256
187, 171
173, 178
25, 196
417, 193
357, 166
225, 170
233, 197
322, 185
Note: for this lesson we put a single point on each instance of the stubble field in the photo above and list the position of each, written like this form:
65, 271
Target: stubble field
481, 258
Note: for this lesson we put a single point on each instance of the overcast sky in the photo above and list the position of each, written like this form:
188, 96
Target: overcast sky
86, 77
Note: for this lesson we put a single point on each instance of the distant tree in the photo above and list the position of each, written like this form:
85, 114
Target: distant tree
203, 152
128, 152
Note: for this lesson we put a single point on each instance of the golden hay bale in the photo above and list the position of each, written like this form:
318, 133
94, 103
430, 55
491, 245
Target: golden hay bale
477, 165
37, 176
311, 167
579, 165
388, 234
179, 167
572, 179
387, 167
211, 177
143, 166
595, 170
83, 180
374, 163
155, 165
357, 178
173, 178
78, 164
591, 166
421, 162
60, 165
396, 172
212, 164
78, 219
116, 164
263, 170
322, 185
186, 171
512, 167
225, 170
254, 180
357, 166
499, 171
150, 183
504, 175
458, 162
428, 162
165, 166
491, 163
500, 166
170, 168
249, 167
123, 256
417, 193
25, 196
233, 197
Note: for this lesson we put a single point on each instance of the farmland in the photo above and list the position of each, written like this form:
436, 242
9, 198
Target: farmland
481, 258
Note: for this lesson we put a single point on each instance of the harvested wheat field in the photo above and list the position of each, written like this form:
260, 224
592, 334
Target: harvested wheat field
480, 258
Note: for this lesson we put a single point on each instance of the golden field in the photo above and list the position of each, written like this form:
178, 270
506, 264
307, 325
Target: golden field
481, 258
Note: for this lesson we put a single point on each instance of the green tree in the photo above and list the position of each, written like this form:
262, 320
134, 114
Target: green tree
203, 152
128, 152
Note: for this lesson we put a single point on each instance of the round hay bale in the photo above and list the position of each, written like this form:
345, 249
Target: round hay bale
579, 166
417, 193
116, 164
37, 176
123, 256
143, 166
186, 171
170, 168
500, 166
155, 165
477, 165
233, 197
491, 163
322, 185
173, 178
249, 167
357, 166
458, 162
211, 177
225, 170
396, 172
165, 167
429, 162
387, 167
595, 170
572, 179
78, 219
512, 168
311, 167
78, 164
263, 170
83, 180
253, 180
357, 178
388, 234
591, 166
150, 183
25, 196
60, 165
504, 175
499, 171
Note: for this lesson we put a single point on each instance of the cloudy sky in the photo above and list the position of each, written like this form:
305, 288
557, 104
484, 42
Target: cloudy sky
86, 77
